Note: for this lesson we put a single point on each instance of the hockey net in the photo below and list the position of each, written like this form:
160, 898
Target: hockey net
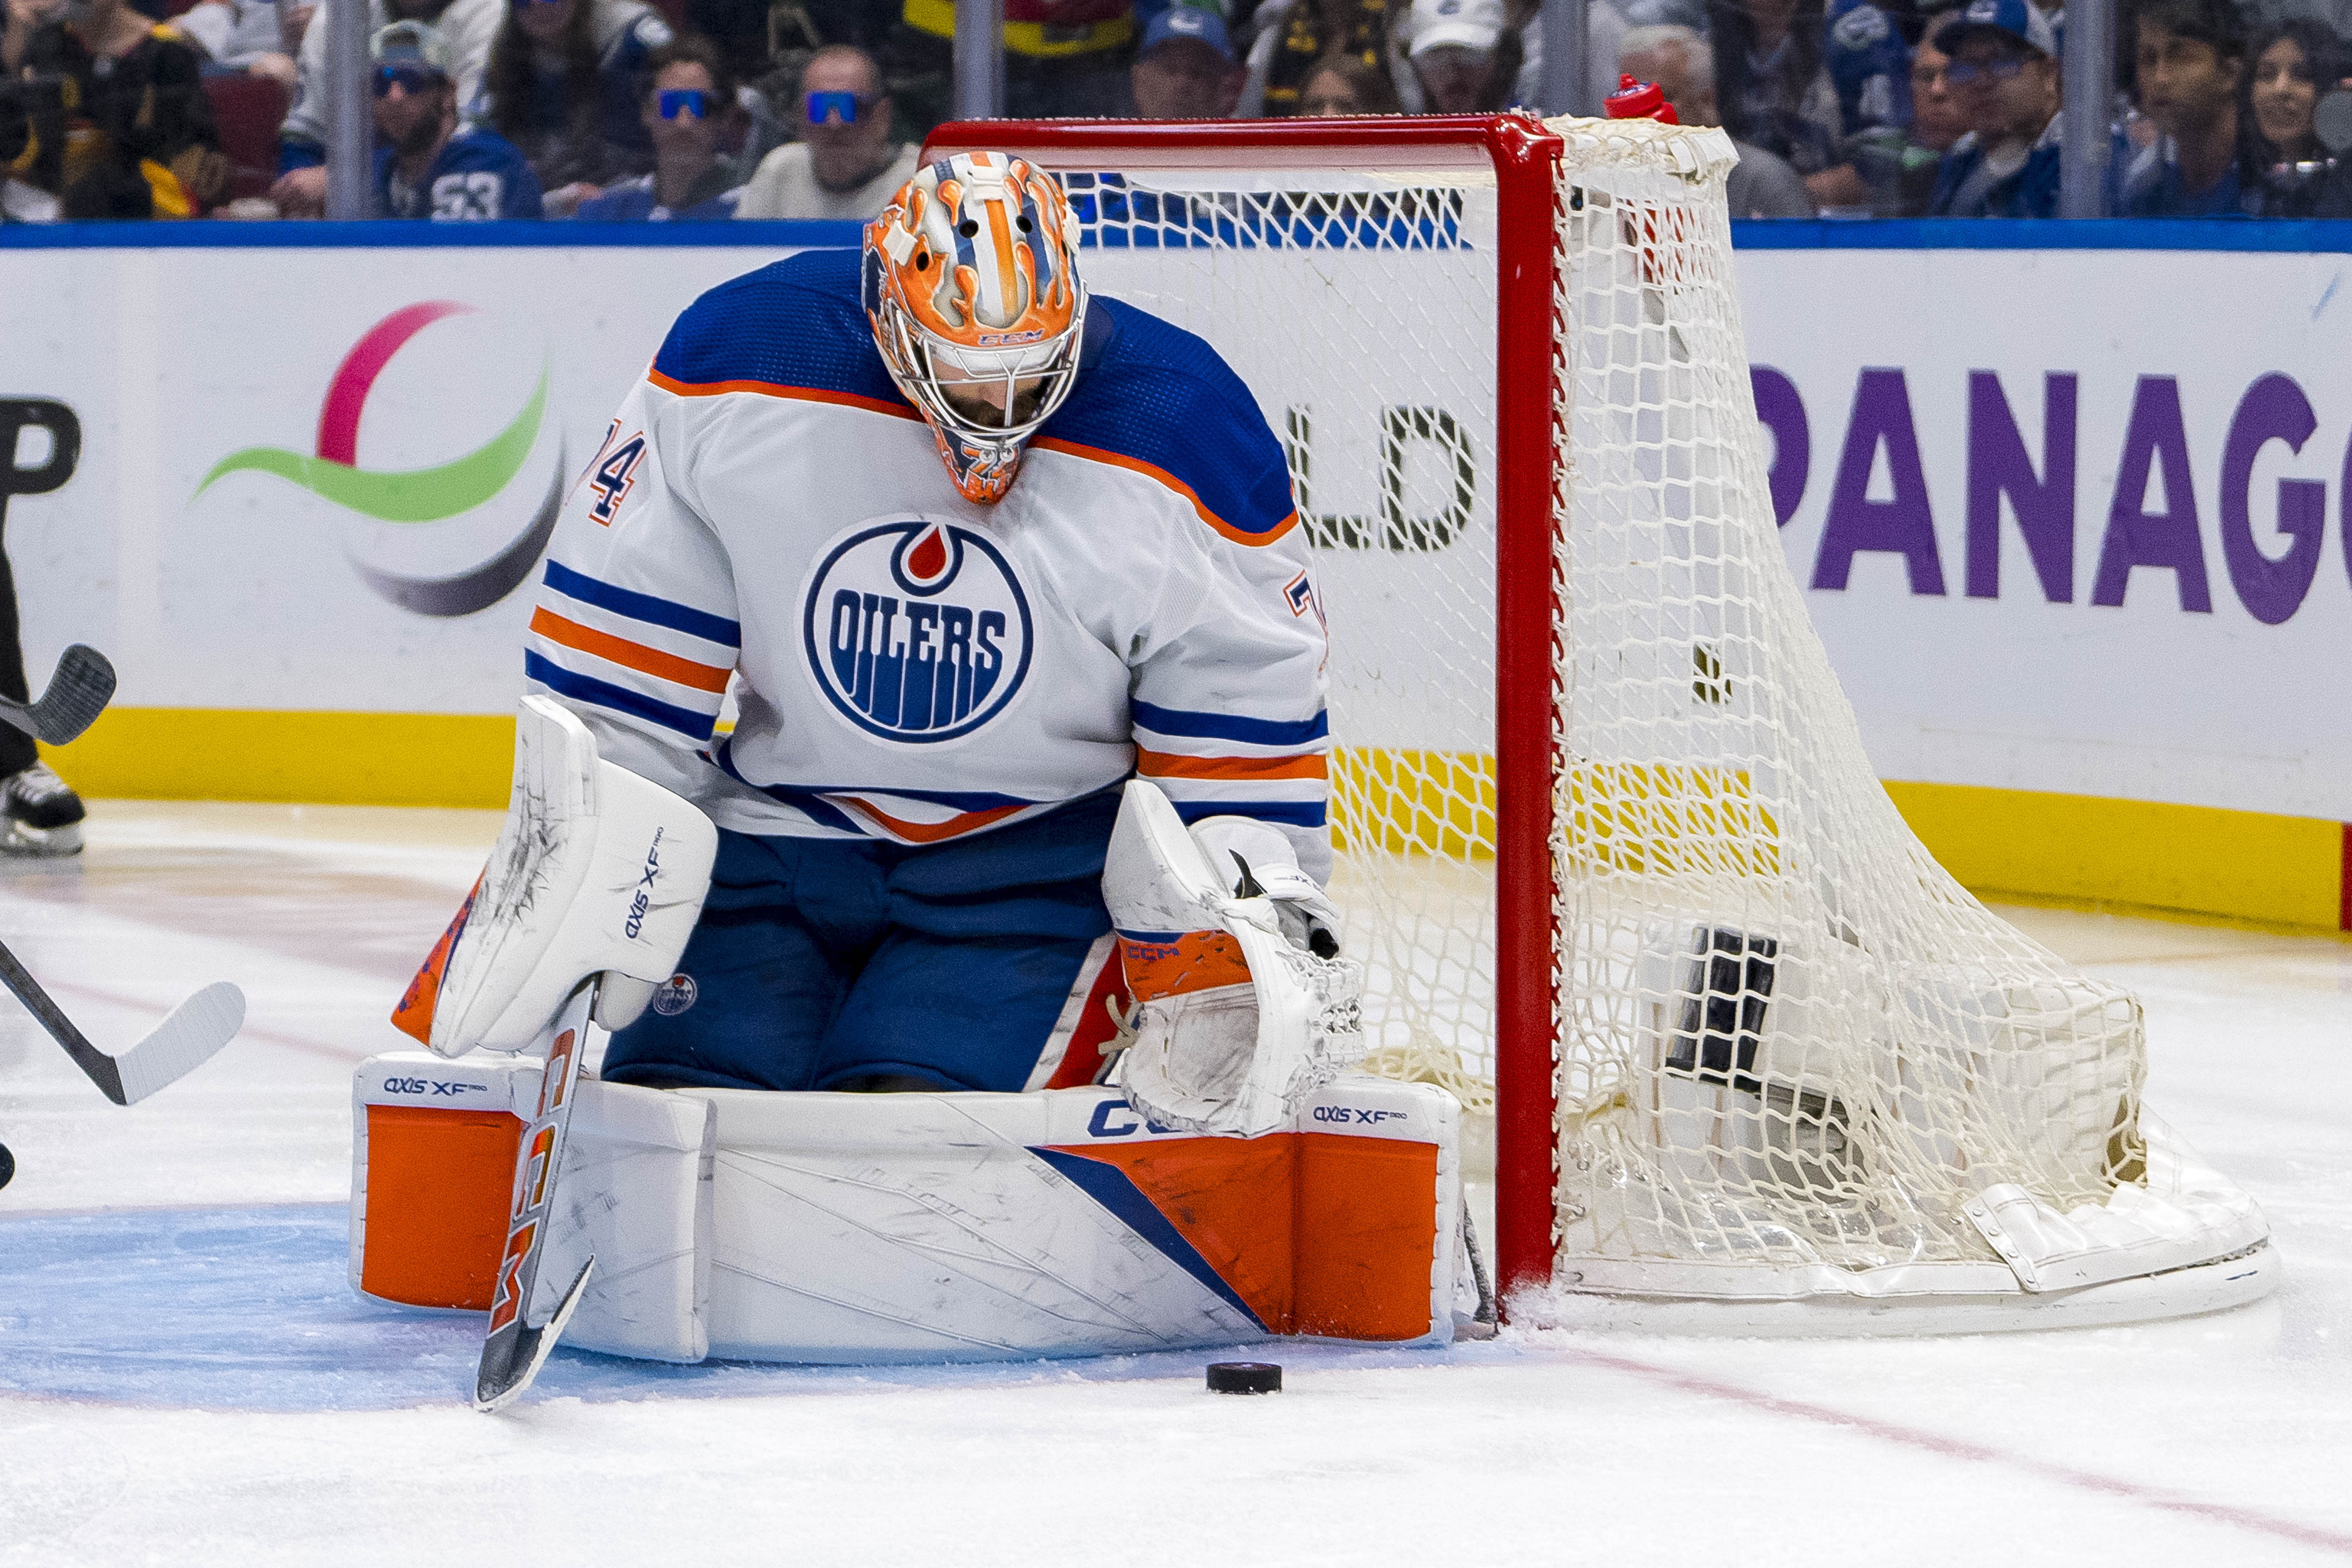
1609, 841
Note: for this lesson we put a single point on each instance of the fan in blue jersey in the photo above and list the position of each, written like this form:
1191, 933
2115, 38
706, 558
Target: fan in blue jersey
426, 166
974, 549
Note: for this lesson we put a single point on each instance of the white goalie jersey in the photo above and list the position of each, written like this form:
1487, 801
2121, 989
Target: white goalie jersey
914, 668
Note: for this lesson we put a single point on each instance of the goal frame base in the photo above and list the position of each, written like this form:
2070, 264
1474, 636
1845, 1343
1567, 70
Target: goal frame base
2223, 1285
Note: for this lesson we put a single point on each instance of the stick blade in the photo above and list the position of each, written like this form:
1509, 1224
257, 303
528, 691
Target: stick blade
513, 1357
78, 692
197, 1028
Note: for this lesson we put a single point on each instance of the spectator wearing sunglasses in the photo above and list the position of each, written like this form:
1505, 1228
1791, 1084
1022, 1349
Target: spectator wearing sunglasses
562, 86
2004, 74
846, 164
688, 95
426, 166
468, 28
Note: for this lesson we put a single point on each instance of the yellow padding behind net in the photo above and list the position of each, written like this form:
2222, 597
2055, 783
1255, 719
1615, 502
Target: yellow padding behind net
1668, 819
1654, 819
1414, 802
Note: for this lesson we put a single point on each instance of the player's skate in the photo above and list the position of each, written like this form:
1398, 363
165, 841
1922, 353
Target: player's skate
1234, 1024
40, 814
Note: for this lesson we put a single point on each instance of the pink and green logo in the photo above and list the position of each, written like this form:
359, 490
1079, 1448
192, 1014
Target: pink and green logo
451, 502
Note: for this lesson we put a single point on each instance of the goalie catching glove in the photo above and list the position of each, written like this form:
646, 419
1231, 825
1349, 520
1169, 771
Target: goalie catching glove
597, 871
1242, 1008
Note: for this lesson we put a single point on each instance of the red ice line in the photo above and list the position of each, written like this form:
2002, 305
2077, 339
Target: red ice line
1958, 1449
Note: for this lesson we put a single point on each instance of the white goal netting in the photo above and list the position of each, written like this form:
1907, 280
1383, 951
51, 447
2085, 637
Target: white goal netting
1792, 1058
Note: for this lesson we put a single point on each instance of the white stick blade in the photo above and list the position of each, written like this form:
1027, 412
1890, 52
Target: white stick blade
197, 1028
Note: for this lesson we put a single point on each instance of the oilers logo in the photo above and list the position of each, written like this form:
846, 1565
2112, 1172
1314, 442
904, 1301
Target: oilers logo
916, 630
674, 996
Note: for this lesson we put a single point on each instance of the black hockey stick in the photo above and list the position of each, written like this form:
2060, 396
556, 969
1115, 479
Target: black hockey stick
197, 1028
78, 692
514, 1350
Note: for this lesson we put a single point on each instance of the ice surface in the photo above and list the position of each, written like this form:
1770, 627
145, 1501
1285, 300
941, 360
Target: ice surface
186, 1378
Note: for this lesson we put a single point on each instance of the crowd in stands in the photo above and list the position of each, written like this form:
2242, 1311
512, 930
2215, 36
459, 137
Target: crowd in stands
626, 111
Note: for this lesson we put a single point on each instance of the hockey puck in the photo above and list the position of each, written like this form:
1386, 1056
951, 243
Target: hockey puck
1245, 1377
7, 1165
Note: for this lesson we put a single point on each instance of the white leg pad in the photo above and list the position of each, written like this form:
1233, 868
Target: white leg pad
869, 1228
850, 1229
635, 1192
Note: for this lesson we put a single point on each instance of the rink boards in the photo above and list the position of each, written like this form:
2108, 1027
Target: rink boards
307, 545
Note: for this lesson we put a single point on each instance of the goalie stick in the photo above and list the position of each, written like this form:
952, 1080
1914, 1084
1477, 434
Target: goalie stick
514, 1351
78, 694
196, 1028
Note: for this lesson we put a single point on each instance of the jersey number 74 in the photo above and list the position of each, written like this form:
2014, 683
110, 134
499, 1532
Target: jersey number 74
615, 471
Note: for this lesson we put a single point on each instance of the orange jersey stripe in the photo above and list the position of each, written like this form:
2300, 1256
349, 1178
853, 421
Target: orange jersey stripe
1160, 475
646, 660
928, 832
777, 389
1168, 765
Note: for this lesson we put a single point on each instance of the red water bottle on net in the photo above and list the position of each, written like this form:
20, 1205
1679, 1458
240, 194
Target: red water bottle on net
1644, 100
1639, 100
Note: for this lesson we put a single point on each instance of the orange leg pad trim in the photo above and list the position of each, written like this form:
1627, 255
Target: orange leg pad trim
1367, 1232
1225, 1196
1321, 1233
438, 1183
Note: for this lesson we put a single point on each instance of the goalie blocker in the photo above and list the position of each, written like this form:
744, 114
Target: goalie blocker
596, 871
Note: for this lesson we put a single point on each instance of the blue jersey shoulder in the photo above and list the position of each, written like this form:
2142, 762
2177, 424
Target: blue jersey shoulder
1148, 391
795, 322
479, 147
1152, 391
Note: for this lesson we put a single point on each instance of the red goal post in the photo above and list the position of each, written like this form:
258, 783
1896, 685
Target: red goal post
1523, 159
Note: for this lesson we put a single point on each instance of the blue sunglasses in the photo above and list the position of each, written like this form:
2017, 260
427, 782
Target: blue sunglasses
691, 101
848, 105
413, 80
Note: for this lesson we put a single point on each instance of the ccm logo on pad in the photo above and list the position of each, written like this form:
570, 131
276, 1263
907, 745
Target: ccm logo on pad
432, 1086
1104, 1126
1359, 1117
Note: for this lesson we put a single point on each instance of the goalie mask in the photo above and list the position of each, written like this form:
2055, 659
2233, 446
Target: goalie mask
970, 283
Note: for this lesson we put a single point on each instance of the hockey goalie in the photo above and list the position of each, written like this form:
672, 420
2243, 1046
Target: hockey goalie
988, 1001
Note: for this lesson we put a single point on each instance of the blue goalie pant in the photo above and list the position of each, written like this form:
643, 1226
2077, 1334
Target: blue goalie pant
822, 962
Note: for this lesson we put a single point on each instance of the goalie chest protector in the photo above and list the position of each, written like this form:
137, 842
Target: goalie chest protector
851, 1229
